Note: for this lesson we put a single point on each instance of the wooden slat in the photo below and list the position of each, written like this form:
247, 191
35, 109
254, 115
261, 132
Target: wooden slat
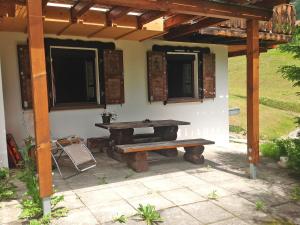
188, 29
253, 90
40, 96
141, 124
154, 146
195, 7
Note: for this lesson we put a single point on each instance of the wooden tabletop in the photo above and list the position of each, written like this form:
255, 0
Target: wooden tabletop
142, 124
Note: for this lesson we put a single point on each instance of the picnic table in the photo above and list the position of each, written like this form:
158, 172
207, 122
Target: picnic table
122, 133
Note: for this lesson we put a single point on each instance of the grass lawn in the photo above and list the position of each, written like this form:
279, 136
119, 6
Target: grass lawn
278, 101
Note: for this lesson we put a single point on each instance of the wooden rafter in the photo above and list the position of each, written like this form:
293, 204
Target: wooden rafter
80, 8
177, 20
115, 13
188, 29
195, 7
44, 3
149, 16
7, 9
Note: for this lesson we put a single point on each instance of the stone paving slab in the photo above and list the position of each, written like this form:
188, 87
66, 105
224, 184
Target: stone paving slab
102, 196
182, 196
153, 199
106, 213
178, 216
79, 217
289, 210
207, 212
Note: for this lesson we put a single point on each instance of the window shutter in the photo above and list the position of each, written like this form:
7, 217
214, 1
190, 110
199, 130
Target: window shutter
157, 76
209, 75
114, 76
25, 76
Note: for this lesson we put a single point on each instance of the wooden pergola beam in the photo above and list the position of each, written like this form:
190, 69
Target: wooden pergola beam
80, 8
253, 94
40, 99
192, 28
195, 7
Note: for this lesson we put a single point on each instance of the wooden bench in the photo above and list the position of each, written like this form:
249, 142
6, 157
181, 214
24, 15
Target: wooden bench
137, 153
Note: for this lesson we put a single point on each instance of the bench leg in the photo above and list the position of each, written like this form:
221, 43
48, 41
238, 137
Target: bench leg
194, 154
138, 161
167, 134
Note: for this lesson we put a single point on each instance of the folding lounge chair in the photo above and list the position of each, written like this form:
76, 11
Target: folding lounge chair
76, 150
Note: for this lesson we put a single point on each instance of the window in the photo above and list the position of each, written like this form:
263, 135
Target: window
74, 74
181, 75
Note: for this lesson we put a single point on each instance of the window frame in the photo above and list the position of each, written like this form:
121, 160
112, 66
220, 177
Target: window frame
195, 77
76, 105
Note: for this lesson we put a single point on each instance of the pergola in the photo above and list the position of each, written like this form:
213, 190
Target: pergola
247, 26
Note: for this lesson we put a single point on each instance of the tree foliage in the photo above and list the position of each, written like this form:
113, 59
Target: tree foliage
292, 72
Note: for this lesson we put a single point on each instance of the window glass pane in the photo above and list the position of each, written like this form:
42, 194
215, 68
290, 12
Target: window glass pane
180, 76
74, 75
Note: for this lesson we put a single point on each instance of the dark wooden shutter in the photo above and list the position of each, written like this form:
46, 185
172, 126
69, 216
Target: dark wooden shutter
209, 75
25, 76
157, 76
114, 76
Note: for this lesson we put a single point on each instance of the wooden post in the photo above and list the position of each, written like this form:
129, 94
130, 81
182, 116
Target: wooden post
253, 94
40, 98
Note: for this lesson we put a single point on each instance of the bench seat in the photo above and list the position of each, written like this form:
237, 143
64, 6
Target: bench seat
154, 146
137, 153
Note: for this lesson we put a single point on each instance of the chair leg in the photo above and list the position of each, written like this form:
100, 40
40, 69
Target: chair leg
138, 161
56, 164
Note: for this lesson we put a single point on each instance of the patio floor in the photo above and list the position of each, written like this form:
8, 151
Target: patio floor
178, 189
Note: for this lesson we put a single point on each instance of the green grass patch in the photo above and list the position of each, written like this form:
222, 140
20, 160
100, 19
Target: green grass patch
236, 129
274, 123
278, 100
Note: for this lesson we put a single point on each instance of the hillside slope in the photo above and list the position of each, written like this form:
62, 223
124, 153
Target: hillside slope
278, 101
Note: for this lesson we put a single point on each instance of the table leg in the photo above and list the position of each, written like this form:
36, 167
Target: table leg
167, 134
194, 154
119, 137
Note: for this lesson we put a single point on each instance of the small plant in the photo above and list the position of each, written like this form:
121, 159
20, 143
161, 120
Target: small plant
7, 189
129, 175
108, 116
45, 220
31, 203
213, 195
120, 219
259, 205
149, 214
237, 129
102, 180
295, 194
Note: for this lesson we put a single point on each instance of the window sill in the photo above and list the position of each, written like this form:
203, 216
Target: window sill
62, 107
182, 100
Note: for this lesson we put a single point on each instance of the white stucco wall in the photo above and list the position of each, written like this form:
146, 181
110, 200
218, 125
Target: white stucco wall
208, 119
3, 151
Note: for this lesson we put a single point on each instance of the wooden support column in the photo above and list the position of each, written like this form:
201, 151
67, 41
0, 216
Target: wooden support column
253, 94
40, 97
